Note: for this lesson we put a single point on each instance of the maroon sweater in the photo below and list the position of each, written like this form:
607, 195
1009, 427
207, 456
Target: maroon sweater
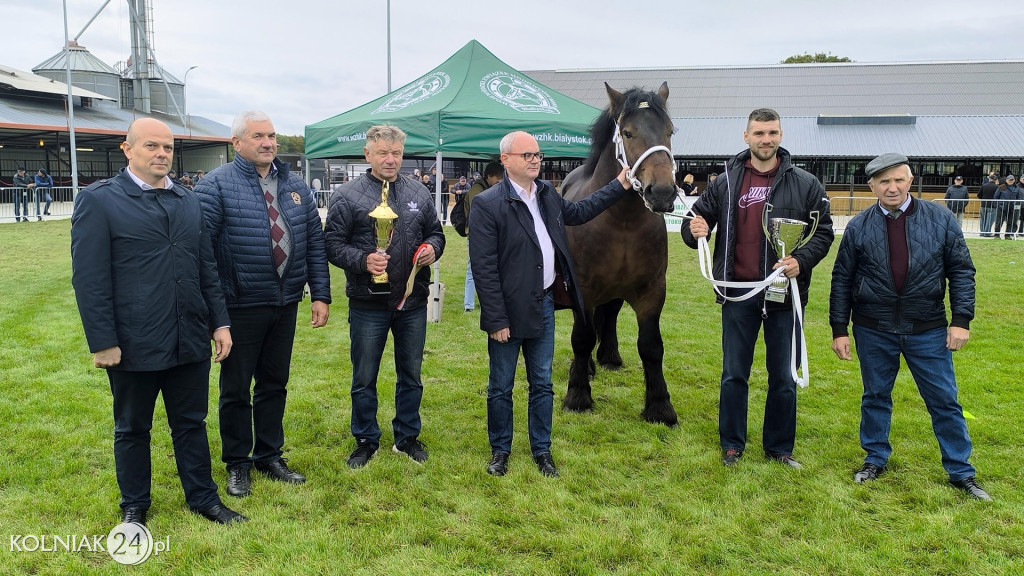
750, 242
899, 257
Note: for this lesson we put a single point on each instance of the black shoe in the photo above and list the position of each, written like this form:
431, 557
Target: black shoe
970, 486
40, 218
47, 213
239, 484
278, 469
867, 472
220, 514
731, 457
414, 449
546, 465
785, 459
498, 465
136, 514
362, 454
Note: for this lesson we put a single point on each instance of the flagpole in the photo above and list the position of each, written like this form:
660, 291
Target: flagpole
71, 107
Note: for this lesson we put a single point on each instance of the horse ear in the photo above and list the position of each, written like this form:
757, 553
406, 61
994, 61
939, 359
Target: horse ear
663, 91
615, 97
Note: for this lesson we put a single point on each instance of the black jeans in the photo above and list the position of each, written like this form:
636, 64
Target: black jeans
186, 390
262, 350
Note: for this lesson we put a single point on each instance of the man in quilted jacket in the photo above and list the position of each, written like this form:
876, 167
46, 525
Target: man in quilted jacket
269, 242
890, 277
387, 288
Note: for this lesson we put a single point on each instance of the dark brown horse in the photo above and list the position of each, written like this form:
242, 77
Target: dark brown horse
622, 255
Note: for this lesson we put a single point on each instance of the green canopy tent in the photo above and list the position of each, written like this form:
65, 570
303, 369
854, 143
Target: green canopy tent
461, 109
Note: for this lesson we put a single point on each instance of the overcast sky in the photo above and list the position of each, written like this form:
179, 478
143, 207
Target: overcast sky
302, 61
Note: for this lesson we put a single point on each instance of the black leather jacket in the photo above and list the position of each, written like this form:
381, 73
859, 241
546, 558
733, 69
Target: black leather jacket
350, 235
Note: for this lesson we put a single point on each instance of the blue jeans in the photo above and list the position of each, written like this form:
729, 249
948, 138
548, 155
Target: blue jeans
538, 353
469, 294
368, 330
931, 364
40, 194
741, 323
20, 203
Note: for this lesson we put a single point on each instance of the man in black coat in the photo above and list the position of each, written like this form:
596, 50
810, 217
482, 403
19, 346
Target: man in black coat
146, 283
520, 255
987, 195
890, 276
760, 184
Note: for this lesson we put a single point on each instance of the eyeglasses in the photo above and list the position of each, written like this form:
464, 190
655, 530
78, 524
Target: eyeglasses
529, 156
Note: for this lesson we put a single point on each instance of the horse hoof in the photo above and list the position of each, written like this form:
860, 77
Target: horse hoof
662, 413
609, 361
577, 402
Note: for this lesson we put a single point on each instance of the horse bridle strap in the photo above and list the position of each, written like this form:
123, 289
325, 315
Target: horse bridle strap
620, 155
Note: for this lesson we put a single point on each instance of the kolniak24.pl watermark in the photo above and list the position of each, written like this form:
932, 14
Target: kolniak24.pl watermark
126, 543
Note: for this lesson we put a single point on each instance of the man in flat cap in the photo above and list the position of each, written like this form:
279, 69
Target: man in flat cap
898, 255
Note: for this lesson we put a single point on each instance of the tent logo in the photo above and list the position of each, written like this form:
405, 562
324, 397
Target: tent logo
518, 93
427, 86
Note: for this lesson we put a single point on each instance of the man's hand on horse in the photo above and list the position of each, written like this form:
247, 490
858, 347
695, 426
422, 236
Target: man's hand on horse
623, 180
699, 227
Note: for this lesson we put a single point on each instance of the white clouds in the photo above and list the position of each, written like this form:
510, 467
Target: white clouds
306, 60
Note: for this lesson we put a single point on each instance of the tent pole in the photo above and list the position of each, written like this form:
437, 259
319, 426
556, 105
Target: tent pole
435, 286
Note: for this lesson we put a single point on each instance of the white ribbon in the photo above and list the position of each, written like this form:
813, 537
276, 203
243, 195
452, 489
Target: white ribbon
800, 374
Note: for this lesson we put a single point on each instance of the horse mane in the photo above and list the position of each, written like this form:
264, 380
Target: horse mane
601, 131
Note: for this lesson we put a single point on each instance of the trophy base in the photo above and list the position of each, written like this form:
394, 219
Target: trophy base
773, 294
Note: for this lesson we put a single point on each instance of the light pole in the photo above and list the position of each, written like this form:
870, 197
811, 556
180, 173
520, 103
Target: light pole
184, 100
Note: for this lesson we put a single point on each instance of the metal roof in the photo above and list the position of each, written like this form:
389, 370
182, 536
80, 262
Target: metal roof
81, 60
972, 88
858, 137
23, 119
14, 79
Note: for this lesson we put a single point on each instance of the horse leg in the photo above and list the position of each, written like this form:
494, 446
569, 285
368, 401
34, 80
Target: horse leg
577, 396
657, 404
606, 318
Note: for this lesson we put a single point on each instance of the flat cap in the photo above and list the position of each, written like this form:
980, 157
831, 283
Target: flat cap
884, 162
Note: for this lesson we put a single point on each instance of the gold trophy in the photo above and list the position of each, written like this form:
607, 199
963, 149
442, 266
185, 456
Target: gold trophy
786, 235
385, 221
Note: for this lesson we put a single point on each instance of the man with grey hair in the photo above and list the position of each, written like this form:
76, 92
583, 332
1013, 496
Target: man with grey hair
269, 243
387, 288
890, 276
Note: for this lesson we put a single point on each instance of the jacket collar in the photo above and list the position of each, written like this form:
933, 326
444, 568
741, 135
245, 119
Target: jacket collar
510, 192
249, 169
133, 189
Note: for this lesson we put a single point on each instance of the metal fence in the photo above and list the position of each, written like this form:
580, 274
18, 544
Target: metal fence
980, 218
32, 203
997, 217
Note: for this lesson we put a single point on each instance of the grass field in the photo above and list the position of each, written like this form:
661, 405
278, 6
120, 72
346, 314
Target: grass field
634, 498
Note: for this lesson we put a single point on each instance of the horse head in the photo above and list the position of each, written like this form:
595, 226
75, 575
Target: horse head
644, 137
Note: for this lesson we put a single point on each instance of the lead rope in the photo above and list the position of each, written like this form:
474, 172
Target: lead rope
800, 374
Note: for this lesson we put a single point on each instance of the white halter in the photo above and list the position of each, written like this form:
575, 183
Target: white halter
620, 155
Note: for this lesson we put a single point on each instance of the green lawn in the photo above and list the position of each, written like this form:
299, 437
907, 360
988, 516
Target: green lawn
634, 498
